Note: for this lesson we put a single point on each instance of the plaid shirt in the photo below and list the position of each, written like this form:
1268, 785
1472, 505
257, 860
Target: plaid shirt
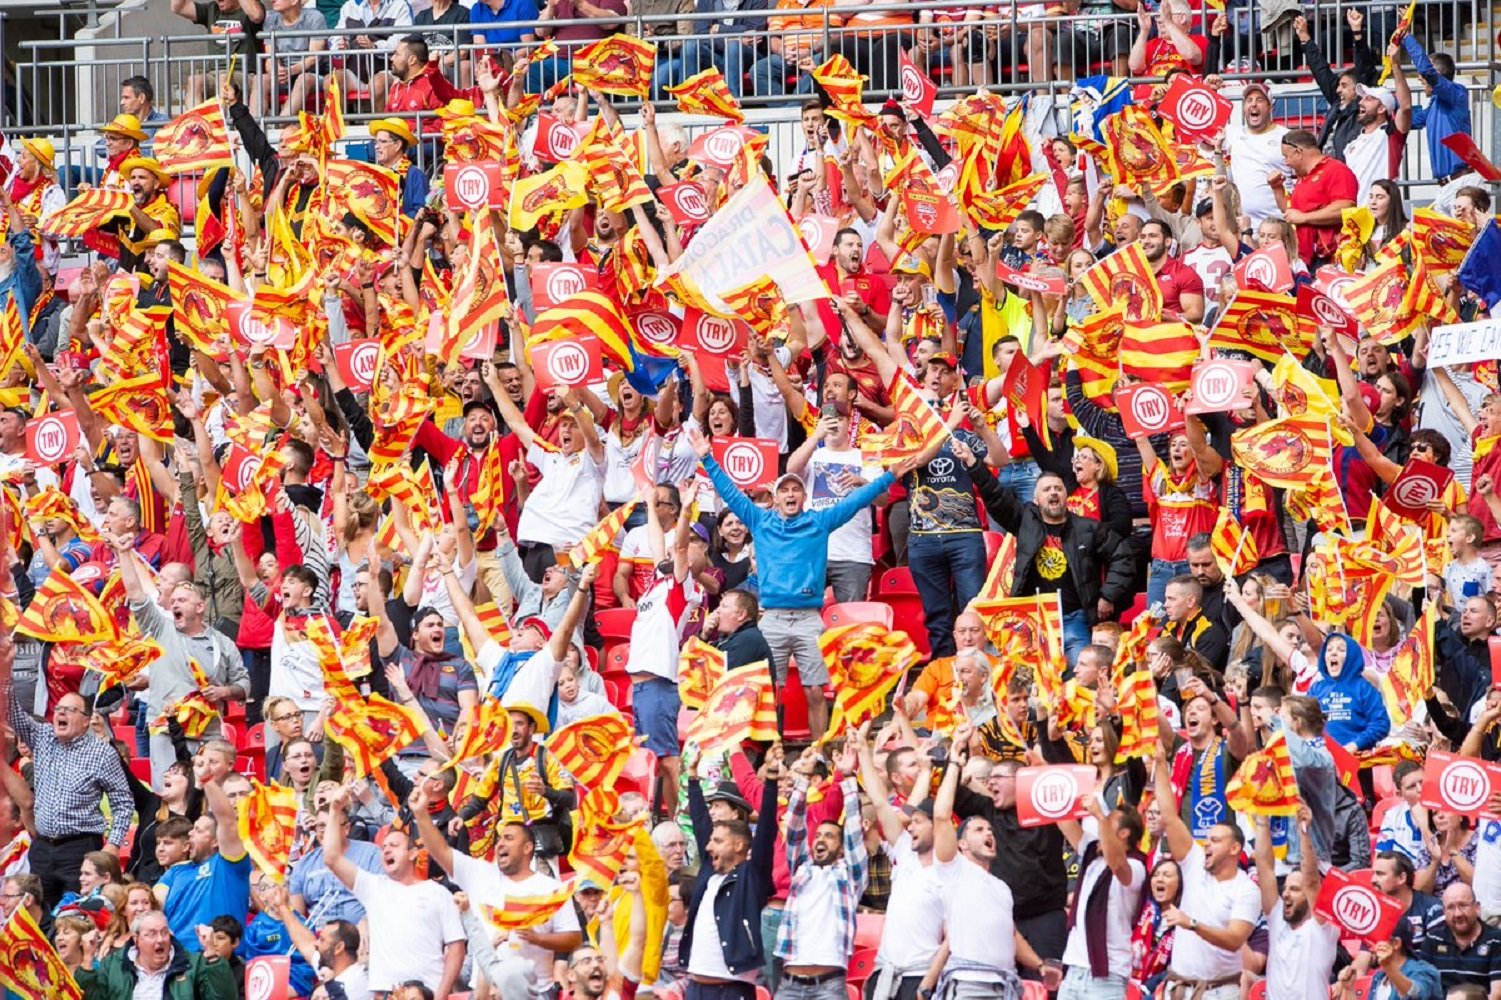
72, 779
845, 877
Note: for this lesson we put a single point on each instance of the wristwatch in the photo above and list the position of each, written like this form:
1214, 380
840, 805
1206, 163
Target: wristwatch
1193, 924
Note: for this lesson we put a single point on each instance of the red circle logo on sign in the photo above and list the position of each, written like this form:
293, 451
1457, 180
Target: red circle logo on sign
1196, 111
691, 202
568, 363
1464, 785
362, 360
1216, 385
912, 87
656, 329
1054, 793
1328, 313
1357, 908
564, 283
716, 334
471, 186
564, 141
1152, 407
254, 331
245, 474
724, 145
742, 462
51, 440
260, 982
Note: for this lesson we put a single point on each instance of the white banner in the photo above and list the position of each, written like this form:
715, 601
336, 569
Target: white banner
748, 237
1464, 343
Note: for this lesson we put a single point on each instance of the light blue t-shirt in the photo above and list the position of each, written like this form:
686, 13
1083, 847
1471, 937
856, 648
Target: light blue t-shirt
327, 898
199, 892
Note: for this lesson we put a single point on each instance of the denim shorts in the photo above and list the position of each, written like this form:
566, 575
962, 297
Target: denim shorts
655, 704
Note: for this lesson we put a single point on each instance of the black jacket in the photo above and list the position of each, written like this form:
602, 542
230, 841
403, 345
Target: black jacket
1340, 124
1092, 547
1115, 506
1462, 669
743, 646
1030, 862
743, 893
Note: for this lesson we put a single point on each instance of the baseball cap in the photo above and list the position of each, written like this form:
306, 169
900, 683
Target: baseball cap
784, 477
945, 358
536, 622
1387, 98
699, 531
1255, 85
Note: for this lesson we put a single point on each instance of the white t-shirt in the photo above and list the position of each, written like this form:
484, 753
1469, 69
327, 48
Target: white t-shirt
296, 672
851, 541
355, 981
707, 957
914, 911
1123, 903
1211, 264
1214, 902
534, 682
1487, 881
1369, 157
486, 886
977, 912
1301, 959
1252, 157
409, 926
656, 631
565, 504
435, 592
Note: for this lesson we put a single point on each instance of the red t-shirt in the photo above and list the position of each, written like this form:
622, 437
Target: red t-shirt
873, 291
1476, 507
1175, 279
1163, 56
1329, 181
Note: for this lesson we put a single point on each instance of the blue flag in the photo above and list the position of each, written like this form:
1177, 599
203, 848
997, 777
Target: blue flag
1094, 99
1481, 270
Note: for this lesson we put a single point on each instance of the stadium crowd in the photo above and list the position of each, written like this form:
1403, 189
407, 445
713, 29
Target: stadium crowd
976, 559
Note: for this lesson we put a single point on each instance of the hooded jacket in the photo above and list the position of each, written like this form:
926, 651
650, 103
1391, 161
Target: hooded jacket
1353, 708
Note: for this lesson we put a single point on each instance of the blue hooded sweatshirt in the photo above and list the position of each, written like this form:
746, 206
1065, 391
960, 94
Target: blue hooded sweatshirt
1353, 709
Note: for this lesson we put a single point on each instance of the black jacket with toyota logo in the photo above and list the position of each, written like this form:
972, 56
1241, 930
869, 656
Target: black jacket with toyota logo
1094, 551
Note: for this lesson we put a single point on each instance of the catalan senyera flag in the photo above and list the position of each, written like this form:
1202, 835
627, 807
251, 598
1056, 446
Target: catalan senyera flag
996, 209
518, 913
1441, 240
1406, 684
601, 538
1234, 547
1347, 595
1287, 453
336, 677
117, 661
866, 660
1392, 299
1162, 352
593, 750
760, 304
1265, 785
199, 306
29, 966
1355, 228
845, 88
1094, 346
1140, 721
194, 141
371, 192
700, 666
480, 298
707, 93
1300, 393
585, 314
267, 819
86, 213
999, 578
916, 426
138, 404
1125, 279
614, 176
741, 706
486, 729
1263, 324
564, 187
488, 498
371, 730
617, 64
468, 138
62, 611
331, 125
1323, 502
601, 843
192, 712
1031, 628
1404, 25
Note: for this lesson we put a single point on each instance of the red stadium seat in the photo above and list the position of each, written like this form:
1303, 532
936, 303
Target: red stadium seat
862, 964
618, 690
685, 720
125, 733
1138, 605
235, 711
762, 993
1361, 988
231, 734
1383, 776
993, 541
640, 773
1033, 990
909, 616
896, 581
794, 707
851, 612
1258, 991
255, 737
868, 930
593, 656
614, 623
1379, 811
616, 657
852, 992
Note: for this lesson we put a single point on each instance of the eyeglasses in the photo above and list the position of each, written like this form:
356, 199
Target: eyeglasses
68, 710
287, 717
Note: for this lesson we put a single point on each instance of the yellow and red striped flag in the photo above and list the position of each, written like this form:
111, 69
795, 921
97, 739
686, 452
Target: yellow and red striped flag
563, 187
518, 913
1265, 785
138, 404
588, 314
601, 538
1300, 393
997, 209
1002, 572
1440, 240
488, 498
1346, 595
707, 93
29, 965
1094, 346
741, 706
371, 192
86, 213
1137, 154
199, 306
62, 611
1137, 704
700, 666
1131, 651
1029, 627
1263, 324
760, 304
1125, 279
468, 138
601, 843
1392, 299
486, 729
372, 730
195, 141
1288, 453
1163, 353
916, 426
617, 64
614, 177
267, 819
337, 680
331, 126
845, 89
865, 660
1406, 685
1234, 547
593, 750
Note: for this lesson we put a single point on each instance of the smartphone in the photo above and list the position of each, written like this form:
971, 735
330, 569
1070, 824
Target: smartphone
827, 411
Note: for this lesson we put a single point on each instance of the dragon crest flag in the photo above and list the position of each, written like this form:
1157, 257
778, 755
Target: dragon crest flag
618, 64
29, 966
865, 661
1126, 278
742, 706
194, 141
267, 818
1264, 785
707, 93
518, 913
62, 611
1289, 453
593, 750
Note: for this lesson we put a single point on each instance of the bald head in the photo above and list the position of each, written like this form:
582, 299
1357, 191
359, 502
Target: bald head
70, 718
